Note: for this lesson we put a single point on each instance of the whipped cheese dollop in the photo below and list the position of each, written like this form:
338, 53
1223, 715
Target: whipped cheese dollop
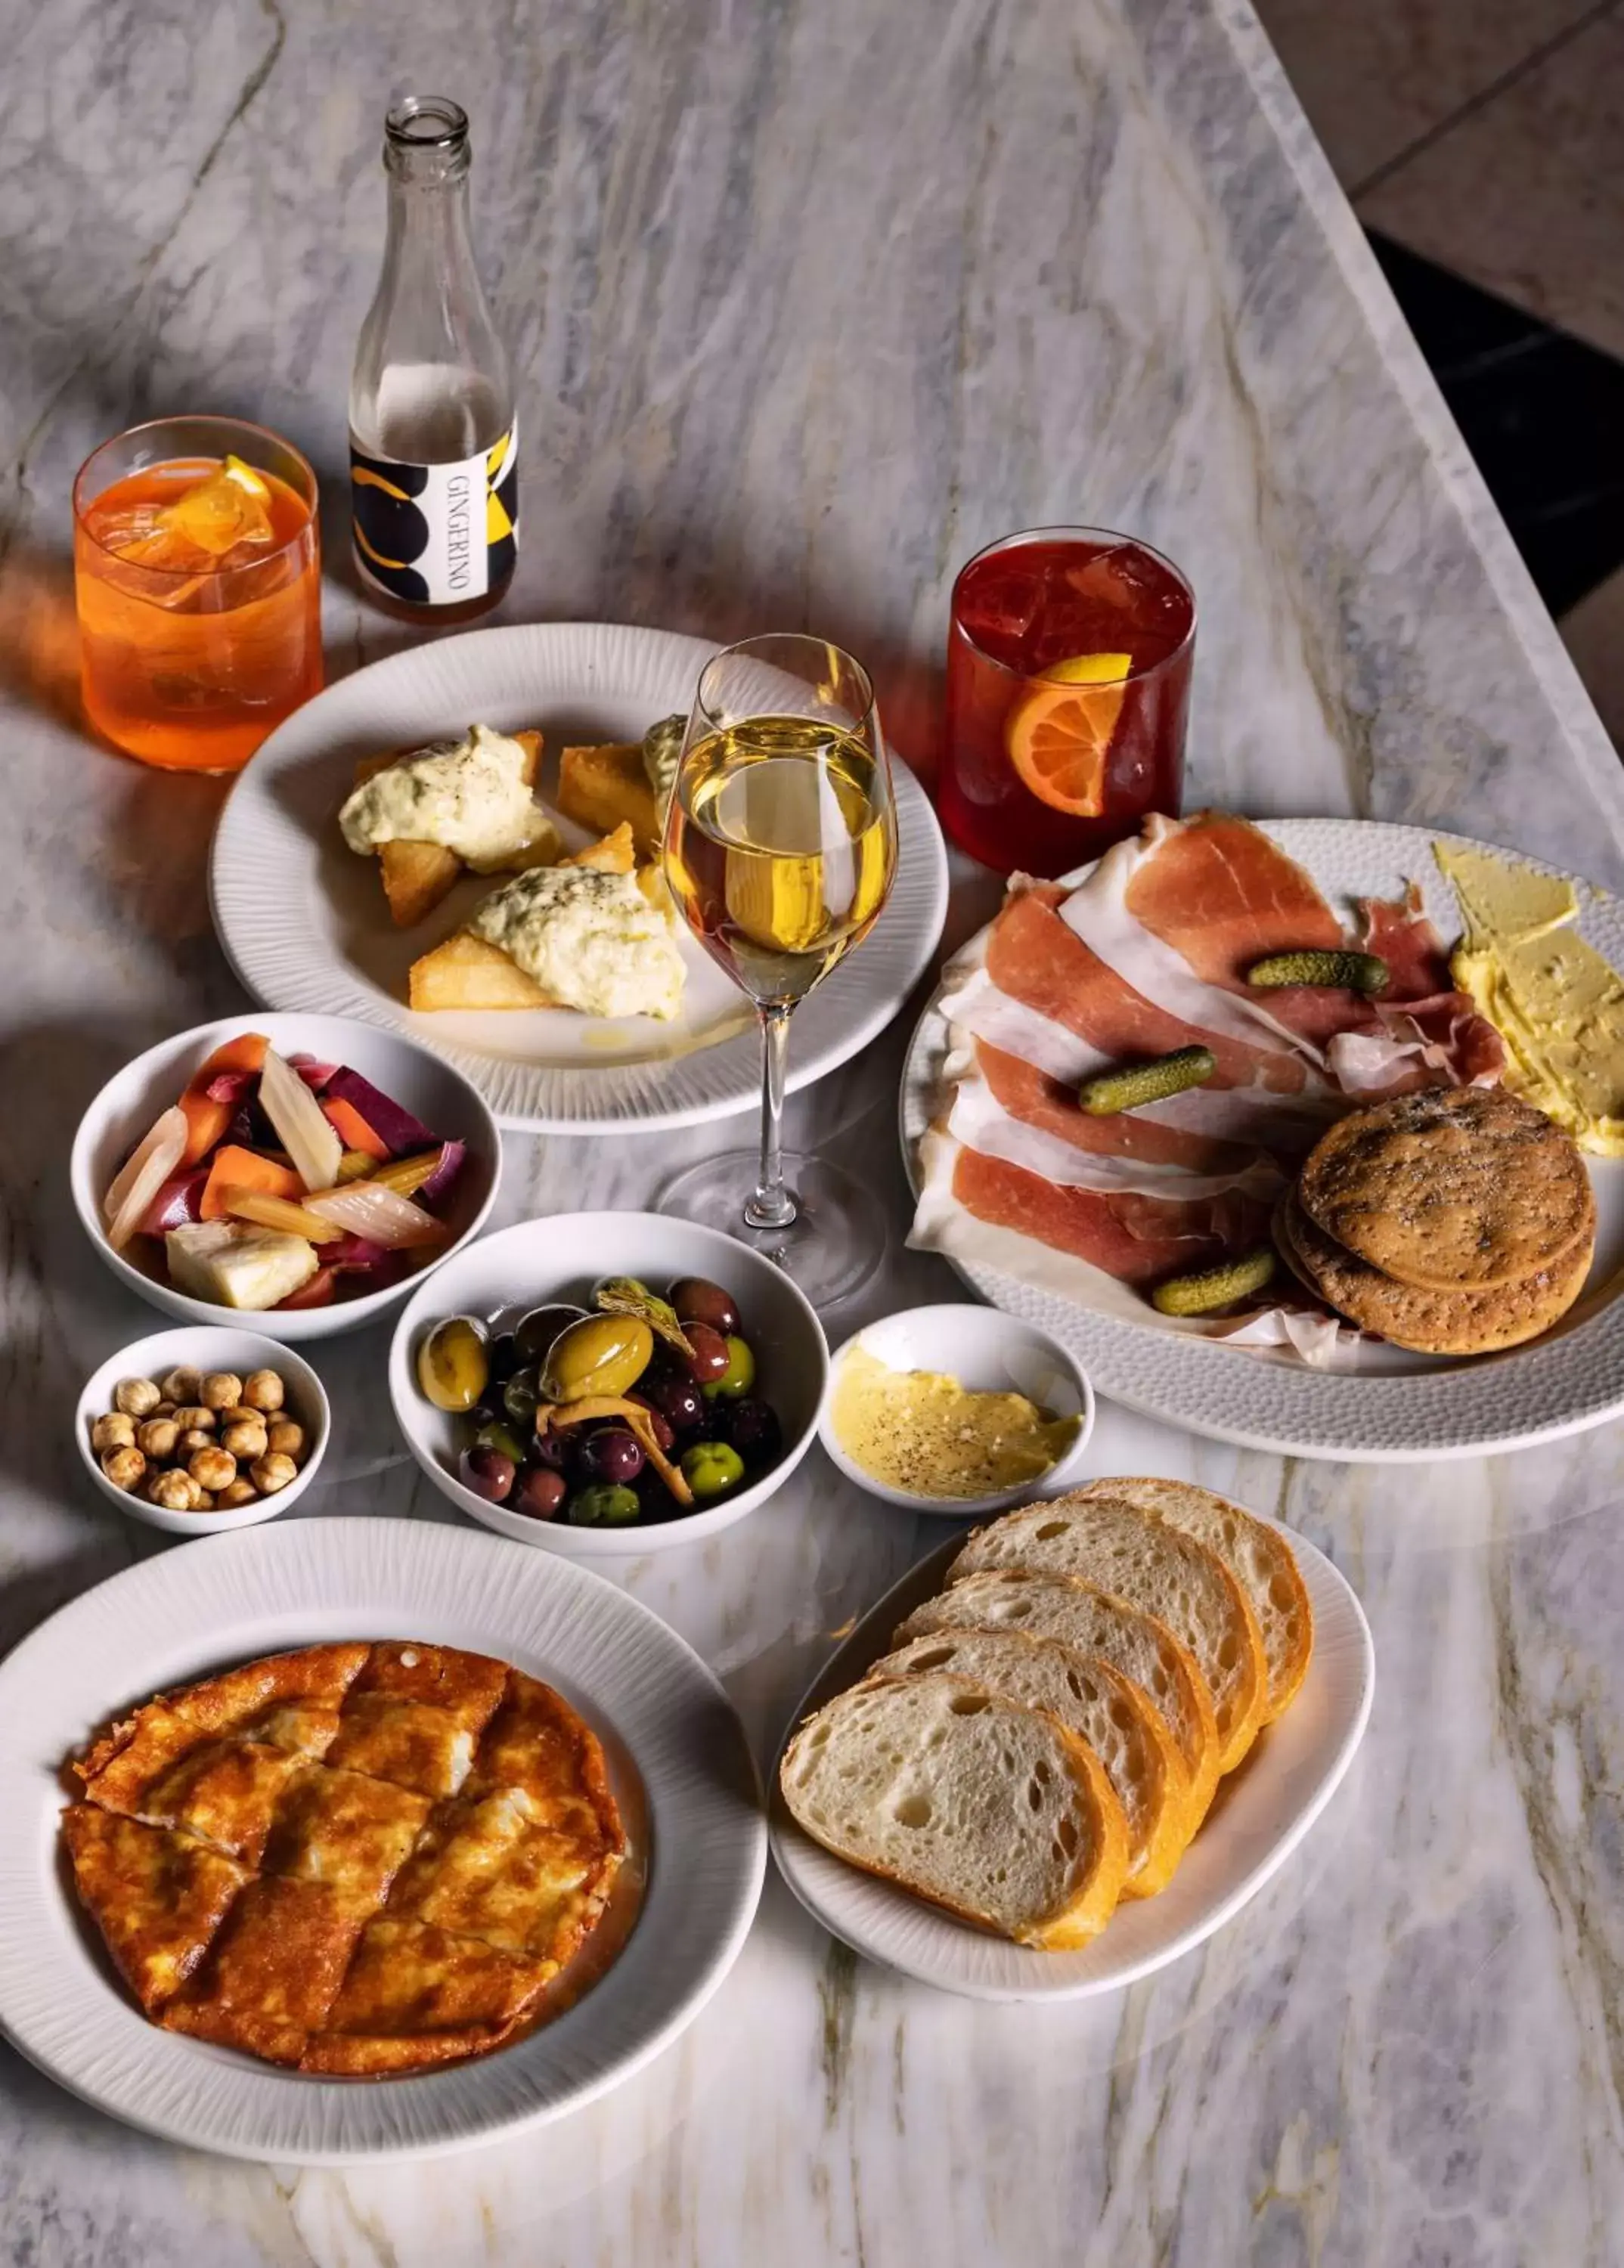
470, 796
591, 940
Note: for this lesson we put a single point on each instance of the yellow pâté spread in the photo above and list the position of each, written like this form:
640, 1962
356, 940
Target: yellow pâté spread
923, 1434
1555, 1002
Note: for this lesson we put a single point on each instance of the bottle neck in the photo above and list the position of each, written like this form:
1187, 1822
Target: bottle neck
427, 246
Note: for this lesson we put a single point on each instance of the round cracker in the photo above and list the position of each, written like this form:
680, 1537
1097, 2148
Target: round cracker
1451, 1190
1429, 1322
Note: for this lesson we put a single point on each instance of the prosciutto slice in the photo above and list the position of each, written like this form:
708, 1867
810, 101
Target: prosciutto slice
1135, 1238
1004, 1109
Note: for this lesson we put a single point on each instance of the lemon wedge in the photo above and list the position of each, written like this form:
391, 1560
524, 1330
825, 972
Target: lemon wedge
1091, 669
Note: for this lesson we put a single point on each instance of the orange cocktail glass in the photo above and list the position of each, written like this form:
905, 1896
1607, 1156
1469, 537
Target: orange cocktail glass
189, 663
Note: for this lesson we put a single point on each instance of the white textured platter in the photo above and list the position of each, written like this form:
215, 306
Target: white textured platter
677, 1757
1261, 1813
1404, 1406
303, 922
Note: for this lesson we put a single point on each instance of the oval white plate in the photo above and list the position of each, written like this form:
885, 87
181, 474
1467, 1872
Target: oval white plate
1403, 1406
1262, 1813
189, 1611
303, 921
560, 1257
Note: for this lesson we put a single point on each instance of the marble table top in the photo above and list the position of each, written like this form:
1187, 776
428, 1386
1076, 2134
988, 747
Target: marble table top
805, 303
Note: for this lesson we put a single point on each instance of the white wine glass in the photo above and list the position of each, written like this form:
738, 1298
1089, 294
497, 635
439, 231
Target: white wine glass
780, 847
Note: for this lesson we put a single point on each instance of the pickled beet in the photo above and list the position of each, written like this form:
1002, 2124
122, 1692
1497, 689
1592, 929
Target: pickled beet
698, 1300
613, 1454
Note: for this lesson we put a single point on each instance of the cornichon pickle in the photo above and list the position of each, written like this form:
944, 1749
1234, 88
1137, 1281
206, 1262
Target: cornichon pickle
1215, 1287
604, 1354
1113, 1091
453, 1364
1359, 972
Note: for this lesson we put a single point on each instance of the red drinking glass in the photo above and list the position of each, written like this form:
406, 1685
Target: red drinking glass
1069, 653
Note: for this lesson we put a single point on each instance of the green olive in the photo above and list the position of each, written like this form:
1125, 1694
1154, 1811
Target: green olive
740, 1376
520, 1396
534, 1333
454, 1363
501, 1438
606, 1503
711, 1469
604, 1354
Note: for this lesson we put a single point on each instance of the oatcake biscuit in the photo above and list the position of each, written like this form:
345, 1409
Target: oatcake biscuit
1431, 1322
1452, 1190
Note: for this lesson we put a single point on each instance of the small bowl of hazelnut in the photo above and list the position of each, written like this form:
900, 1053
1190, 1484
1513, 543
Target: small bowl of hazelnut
204, 1429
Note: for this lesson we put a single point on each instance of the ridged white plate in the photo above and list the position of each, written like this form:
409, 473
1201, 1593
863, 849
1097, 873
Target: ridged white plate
1402, 1406
676, 1751
1261, 1813
303, 920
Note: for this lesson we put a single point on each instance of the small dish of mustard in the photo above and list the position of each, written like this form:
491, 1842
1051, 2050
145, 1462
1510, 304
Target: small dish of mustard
958, 1409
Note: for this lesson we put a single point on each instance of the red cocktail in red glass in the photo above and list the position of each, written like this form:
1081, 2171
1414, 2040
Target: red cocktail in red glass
1068, 689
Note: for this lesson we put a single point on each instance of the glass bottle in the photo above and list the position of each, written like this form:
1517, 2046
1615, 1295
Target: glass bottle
433, 444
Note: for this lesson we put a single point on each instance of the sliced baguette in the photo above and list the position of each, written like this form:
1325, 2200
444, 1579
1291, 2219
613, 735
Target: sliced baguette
1092, 1700
1259, 1558
1078, 1615
993, 1810
1170, 1575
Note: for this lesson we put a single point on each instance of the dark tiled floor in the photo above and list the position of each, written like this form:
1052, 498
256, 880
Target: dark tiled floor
1543, 414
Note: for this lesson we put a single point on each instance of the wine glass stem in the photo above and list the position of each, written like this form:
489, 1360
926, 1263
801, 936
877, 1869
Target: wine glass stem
772, 1206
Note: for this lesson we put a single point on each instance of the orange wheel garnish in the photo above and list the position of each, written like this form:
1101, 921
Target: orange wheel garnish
1057, 735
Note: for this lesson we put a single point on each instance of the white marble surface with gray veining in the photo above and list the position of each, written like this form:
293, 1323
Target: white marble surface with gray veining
805, 303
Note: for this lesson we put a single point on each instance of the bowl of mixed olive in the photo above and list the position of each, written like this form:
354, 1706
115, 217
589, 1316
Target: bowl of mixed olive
602, 1383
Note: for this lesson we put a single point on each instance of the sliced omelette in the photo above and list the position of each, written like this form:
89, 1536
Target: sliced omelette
357, 1858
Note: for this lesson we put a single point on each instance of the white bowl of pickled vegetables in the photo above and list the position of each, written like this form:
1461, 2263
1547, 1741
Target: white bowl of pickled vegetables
302, 1173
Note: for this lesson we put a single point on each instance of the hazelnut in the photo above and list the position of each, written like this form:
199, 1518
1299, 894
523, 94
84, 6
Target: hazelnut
193, 1439
194, 1417
236, 1492
272, 1472
222, 1389
265, 1390
157, 1437
161, 1409
135, 1396
182, 1385
115, 1430
287, 1437
176, 1492
245, 1437
213, 1469
124, 1468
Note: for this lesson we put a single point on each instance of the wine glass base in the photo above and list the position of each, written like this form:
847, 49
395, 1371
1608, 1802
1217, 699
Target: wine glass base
831, 1249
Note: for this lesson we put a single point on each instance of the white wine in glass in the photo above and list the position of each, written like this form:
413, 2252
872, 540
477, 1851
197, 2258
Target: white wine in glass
780, 847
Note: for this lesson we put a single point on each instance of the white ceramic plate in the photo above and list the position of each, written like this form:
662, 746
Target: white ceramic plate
1398, 1405
1262, 1813
678, 1755
303, 925
559, 1258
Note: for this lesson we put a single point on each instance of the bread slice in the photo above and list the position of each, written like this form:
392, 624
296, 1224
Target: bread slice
993, 1810
1170, 1575
606, 787
1109, 1630
1092, 1700
1259, 1558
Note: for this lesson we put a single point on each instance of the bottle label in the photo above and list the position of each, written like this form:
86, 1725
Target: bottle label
434, 536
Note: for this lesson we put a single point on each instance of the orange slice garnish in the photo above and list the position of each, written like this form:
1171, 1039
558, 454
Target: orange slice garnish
229, 506
1059, 731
